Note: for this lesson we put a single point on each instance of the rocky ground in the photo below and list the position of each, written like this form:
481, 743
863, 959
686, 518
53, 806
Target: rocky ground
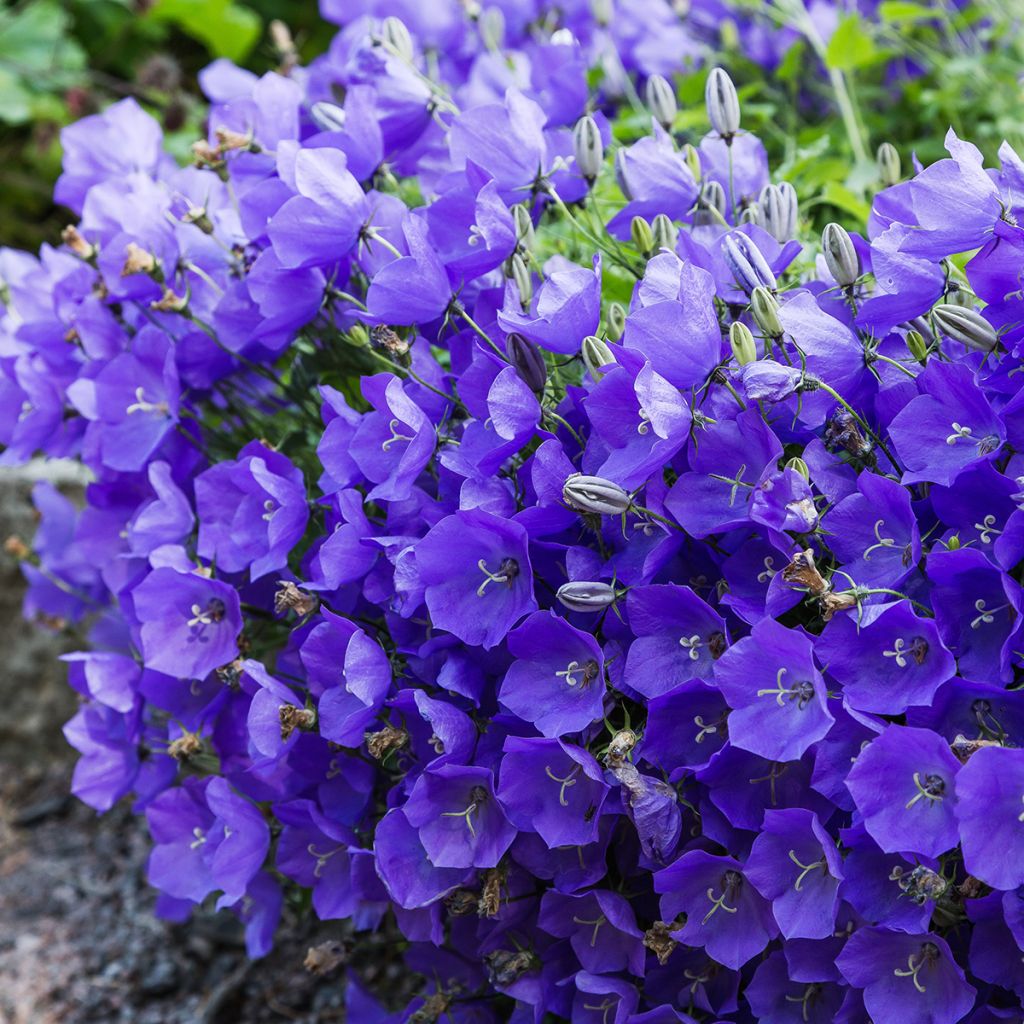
79, 943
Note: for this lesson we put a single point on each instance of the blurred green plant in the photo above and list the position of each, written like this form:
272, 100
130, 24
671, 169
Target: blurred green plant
61, 59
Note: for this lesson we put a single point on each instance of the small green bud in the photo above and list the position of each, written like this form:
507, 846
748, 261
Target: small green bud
741, 341
800, 466
664, 231
692, 158
643, 237
521, 275
524, 226
723, 104
396, 37
588, 147
953, 544
491, 26
596, 354
917, 346
765, 308
616, 321
889, 167
661, 101
840, 255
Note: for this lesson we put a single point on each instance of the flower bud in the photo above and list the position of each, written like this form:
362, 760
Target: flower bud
748, 266
800, 466
917, 346
595, 494
751, 214
328, 117
840, 255
528, 361
397, 37
621, 177
723, 104
643, 238
710, 204
595, 354
741, 341
588, 147
664, 231
957, 295
692, 158
967, 326
524, 226
889, 167
779, 210
521, 276
661, 101
602, 11
765, 308
583, 596
616, 321
491, 26
563, 37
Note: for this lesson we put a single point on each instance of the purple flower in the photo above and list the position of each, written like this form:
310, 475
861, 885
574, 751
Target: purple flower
189, 624
725, 914
251, 512
460, 822
903, 785
913, 976
990, 812
777, 694
475, 568
552, 788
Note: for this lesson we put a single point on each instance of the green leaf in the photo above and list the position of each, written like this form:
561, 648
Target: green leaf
841, 197
36, 45
226, 29
904, 10
850, 46
15, 99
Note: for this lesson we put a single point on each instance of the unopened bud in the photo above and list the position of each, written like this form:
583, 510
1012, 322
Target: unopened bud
840, 255
328, 117
584, 596
748, 266
563, 37
491, 26
661, 101
664, 231
596, 495
616, 321
521, 276
588, 147
967, 326
779, 210
528, 360
751, 214
643, 238
741, 341
765, 308
889, 167
801, 467
602, 11
917, 346
397, 38
723, 104
595, 354
524, 227
692, 158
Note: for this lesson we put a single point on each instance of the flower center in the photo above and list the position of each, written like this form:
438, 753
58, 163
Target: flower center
569, 780
507, 572
141, 405
806, 868
731, 882
737, 482
802, 692
596, 922
692, 646
587, 673
985, 615
769, 570
321, 858
928, 954
477, 796
396, 435
959, 434
918, 650
213, 612
883, 542
931, 788
807, 1000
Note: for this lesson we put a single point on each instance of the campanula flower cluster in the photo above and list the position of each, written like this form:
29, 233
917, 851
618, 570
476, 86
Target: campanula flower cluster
533, 541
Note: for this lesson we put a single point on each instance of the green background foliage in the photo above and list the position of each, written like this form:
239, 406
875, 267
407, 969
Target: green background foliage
822, 113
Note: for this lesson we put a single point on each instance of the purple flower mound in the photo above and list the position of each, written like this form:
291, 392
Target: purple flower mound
615, 596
